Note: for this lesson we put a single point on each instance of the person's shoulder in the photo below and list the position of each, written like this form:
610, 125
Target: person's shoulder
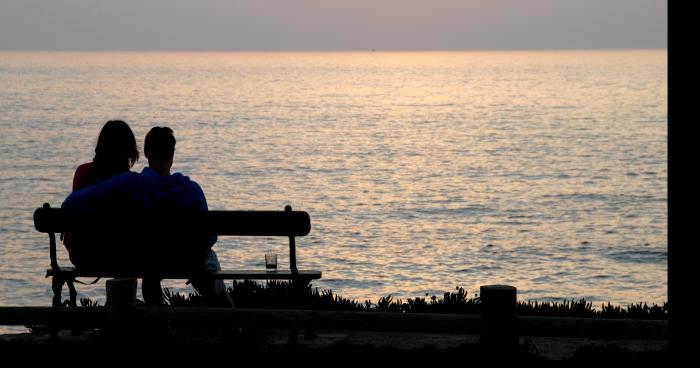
86, 168
193, 188
126, 175
194, 185
85, 176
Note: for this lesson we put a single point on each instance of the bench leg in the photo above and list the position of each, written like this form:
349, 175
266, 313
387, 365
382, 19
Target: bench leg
293, 340
298, 290
73, 303
309, 333
73, 293
57, 287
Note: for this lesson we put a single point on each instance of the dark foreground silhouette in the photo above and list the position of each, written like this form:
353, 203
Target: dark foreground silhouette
333, 346
194, 339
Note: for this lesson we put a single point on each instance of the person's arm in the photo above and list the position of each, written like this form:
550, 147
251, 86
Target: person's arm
201, 205
96, 196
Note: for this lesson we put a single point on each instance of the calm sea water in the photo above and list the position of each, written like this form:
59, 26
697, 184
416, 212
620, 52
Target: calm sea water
421, 171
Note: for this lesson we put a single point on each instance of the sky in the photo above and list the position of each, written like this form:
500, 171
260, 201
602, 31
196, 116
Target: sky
331, 25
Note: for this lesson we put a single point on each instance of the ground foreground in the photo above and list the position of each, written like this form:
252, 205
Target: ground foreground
342, 345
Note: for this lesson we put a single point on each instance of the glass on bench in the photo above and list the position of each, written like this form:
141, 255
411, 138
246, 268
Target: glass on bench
271, 262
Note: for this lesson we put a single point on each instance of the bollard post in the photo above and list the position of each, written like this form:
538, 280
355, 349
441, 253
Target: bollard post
121, 302
499, 317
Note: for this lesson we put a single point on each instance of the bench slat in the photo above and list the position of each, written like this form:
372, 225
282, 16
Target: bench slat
224, 274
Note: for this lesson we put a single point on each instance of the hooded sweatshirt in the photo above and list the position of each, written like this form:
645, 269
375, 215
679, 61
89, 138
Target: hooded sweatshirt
175, 191
145, 190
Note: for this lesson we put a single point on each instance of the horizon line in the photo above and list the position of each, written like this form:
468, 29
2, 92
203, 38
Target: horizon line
332, 51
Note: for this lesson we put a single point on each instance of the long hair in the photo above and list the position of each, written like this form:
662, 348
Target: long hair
116, 149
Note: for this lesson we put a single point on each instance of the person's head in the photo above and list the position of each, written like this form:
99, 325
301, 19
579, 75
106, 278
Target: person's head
116, 149
160, 149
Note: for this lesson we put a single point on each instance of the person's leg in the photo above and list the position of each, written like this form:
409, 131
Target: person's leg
155, 330
152, 292
212, 290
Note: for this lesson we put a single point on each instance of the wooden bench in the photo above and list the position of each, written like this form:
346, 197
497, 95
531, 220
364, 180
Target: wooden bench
285, 223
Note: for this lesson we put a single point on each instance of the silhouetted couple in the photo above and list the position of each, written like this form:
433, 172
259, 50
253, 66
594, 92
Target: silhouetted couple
107, 184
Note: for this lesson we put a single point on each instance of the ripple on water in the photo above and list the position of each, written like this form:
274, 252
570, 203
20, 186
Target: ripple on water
639, 256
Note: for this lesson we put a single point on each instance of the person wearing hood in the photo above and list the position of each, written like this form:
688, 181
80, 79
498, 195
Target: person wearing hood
155, 188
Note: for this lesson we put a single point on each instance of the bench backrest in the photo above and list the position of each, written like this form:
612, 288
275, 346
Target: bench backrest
238, 223
150, 225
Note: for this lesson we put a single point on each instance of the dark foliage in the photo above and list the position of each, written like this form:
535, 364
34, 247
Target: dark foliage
278, 295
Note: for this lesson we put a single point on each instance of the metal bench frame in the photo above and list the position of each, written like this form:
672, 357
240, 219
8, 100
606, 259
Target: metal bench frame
238, 223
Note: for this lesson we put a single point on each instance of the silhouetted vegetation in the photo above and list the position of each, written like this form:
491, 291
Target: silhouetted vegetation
278, 294
583, 308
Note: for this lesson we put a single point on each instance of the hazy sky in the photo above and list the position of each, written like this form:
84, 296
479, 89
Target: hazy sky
331, 24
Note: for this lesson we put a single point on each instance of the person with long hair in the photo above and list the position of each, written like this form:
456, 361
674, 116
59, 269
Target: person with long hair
115, 153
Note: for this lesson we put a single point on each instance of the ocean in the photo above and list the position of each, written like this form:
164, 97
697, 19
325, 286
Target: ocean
421, 171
